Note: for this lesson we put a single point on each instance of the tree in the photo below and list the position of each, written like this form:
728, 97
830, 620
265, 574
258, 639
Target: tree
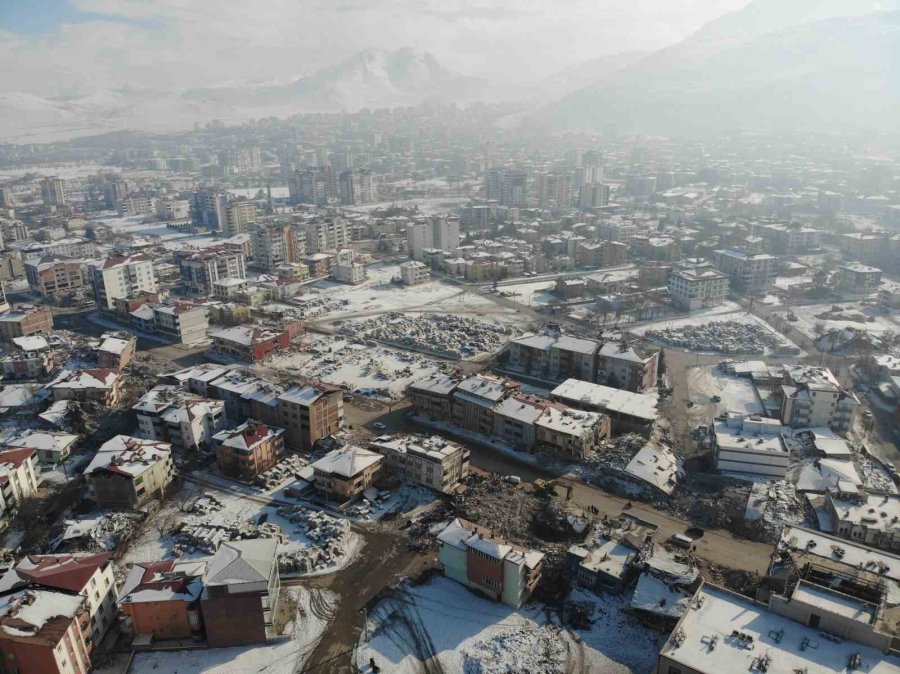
819, 330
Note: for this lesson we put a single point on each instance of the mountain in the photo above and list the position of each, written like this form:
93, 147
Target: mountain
761, 68
369, 79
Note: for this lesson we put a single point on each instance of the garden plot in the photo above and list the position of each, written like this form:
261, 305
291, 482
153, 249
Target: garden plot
457, 631
285, 654
709, 385
847, 315
367, 370
311, 542
737, 333
445, 335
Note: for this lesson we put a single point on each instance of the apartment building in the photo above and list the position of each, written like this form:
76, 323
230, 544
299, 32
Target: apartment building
201, 270
90, 575
176, 416
811, 397
53, 277
239, 215
433, 462
431, 397
697, 284
116, 351
249, 343
44, 631
357, 186
345, 474
749, 445
135, 205
247, 450
629, 412
241, 594
746, 271
346, 268
790, 238
868, 518
25, 320
860, 279
569, 432
98, 384
180, 322
208, 209
310, 413
509, 187
18, 477
128, 472
502, 571
515, 419
474, 399
51, 447
163, 599
122, 277
414, 272
602, 254
275, 245
328, 234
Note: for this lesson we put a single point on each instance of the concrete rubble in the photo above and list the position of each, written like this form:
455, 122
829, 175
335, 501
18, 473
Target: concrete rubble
330, 537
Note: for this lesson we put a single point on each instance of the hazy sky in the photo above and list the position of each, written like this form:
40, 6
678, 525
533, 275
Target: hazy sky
62, 47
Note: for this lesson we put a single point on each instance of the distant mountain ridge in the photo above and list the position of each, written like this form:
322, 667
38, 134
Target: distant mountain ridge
837, 72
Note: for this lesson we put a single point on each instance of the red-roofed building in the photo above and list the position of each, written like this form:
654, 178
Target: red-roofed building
249, 343
249, 449
163, 599
122, 277
87, 574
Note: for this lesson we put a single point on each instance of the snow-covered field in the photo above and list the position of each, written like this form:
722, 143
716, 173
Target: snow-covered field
285, 655
737, 393
426, 205
850, 317
465, 633
530, 294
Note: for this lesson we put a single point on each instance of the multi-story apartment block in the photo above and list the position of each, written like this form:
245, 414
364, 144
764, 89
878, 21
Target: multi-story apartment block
345, 474
240, 600
163, 599
311, 186
593, 195
239, 215
128, 472
122, 277
811, 397
509, 187
502, 571
97, 384
434, 462
53, 191
247, 450
860, 279
695, 284
180, 322
569, 432
44, 631
90, 575
52, 276
173, 209
474, 399
788, 238
201, 270
18, 477
209, 209
328, 234
249, 343
276, 245
432, 396
746, 271
346, 268
25, 320
135, 205
184, 420
866, 518
414, 272
357, 186
310, 413
602, 254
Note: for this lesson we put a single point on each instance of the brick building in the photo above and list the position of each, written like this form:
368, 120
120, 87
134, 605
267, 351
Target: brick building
249, 449
25, 320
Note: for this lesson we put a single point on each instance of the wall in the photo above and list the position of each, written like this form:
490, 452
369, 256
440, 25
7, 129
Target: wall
163, 619
234, 620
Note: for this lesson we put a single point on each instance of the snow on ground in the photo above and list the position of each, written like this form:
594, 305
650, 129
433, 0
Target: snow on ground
737, 394
530, 294
286, 655
426, 205
852, 315
465, 633
64, 171
371, 369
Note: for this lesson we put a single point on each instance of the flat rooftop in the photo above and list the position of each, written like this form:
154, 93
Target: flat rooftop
608, 399
703, 640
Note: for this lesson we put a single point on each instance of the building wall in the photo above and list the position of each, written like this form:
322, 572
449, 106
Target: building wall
162, 619
844, 627
234, 620
454, 563
484, 573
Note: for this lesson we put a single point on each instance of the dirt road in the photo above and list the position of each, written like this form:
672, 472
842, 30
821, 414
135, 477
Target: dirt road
383, 560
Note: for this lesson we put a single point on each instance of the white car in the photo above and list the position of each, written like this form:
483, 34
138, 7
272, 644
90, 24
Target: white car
380, 426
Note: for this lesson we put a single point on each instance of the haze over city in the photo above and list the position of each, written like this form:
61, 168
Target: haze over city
470, 336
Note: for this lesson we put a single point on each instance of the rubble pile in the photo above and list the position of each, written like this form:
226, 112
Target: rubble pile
107, 531
721, 337
619, 451
445, 334
773, 504
874, 476
287, 469
330, 537
207, 536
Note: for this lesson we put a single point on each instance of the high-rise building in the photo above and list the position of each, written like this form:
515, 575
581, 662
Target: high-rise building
357, 187
6, 198
507, 186
53, 191
238, 215
330, 233
445, 233
593, 195
201, 270
419, 237
122, 277
555, 189
276, 245
209, 209
311, 186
